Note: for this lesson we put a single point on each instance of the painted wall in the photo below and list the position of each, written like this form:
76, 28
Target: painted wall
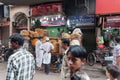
14, 11
18, 9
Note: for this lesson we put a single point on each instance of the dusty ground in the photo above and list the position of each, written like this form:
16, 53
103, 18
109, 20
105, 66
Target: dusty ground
95, 72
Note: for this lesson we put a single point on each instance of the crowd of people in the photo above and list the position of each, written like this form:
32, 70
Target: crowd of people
22, 64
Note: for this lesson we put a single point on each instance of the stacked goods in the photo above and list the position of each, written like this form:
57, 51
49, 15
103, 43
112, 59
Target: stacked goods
31, 34
34, 37
76, 35
77, 31
33, 41
40, 31
45, 33
65, 35
35, 34
55, 42
25, 34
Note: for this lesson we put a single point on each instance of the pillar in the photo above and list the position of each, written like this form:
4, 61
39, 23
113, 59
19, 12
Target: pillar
28, 23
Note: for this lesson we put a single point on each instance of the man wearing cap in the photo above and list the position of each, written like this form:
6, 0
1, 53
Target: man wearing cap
21, 64
47, 47
39, 53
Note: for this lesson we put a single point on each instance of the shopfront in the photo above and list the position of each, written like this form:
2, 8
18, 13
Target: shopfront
4, 24
87, 25
48, 17
108, 19
4, 31
111, 28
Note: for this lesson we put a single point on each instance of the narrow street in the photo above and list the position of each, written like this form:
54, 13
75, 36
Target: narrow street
95, 72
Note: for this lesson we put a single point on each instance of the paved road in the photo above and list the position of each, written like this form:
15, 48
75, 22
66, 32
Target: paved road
95, 72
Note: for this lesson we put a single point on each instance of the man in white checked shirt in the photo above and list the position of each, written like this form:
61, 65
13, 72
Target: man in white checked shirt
21, 64
116, 52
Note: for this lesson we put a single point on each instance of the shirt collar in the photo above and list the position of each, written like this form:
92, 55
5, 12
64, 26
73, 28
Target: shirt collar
18, 49
66, 50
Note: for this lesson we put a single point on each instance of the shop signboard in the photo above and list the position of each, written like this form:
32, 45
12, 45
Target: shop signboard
113, 21
52, 20
85, 20
46, 9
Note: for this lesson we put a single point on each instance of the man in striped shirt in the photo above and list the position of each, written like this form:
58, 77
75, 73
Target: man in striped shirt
21, 64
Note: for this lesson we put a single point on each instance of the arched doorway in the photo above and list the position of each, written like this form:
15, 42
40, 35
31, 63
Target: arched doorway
20, 22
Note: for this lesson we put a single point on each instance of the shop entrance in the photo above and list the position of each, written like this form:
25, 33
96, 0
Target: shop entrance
89, 40
4, 35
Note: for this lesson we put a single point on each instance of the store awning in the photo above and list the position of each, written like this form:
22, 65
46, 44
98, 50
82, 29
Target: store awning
25, 2
107, 6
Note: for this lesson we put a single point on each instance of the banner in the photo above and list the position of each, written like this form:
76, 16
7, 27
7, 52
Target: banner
47, 9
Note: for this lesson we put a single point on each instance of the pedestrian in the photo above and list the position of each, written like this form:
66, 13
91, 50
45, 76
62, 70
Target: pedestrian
65, 72
112, 72
21, 64
47, 48
116, 52
75, 42
39, 53
58, 63
112, 44
26, 43
76, 59
60, 32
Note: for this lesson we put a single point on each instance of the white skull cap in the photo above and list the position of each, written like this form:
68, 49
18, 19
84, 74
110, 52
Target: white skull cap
47, 39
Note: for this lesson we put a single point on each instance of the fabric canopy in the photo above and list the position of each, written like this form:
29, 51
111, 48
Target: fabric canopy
107, 6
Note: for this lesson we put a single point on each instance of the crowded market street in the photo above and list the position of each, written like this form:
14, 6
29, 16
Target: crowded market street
62, 35
95, 72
